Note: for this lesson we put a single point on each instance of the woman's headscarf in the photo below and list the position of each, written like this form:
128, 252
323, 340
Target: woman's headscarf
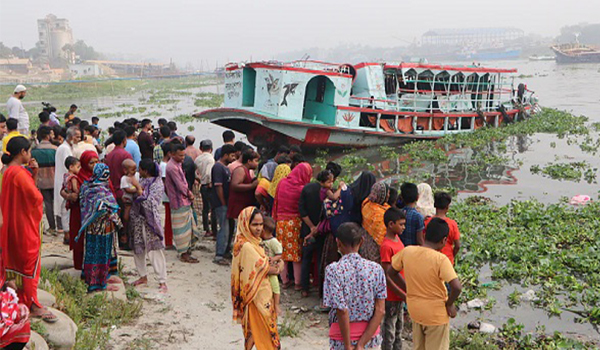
97, 199
85, 174
379, 193
281, 172
249, 267
287, 198
425, 204
361, 188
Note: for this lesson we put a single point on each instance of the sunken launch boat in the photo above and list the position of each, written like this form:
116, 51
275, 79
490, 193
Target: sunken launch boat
319, 104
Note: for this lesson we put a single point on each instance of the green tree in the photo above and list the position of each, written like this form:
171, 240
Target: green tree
84, 51
5, 51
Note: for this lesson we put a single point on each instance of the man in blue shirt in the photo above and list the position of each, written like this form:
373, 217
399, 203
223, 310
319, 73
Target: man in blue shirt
132, 146
413, 231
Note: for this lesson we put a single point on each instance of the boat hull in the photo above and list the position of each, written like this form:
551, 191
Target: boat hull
561, 57
264, 131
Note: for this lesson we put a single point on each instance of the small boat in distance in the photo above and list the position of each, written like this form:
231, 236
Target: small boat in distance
542, 58
576, 53
319, 104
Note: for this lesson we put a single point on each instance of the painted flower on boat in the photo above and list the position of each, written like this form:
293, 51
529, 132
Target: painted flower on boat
348, 117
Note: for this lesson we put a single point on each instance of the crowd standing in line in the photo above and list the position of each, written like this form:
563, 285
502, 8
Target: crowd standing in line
370, 251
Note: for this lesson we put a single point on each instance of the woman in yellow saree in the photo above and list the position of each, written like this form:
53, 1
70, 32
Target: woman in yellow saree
251, 291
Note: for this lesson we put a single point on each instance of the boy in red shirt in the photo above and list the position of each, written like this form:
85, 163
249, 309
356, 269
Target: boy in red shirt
442, 202
393, 322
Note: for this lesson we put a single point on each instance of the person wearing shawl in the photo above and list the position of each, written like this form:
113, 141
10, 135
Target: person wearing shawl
148, 235
287, 215
21, 234
425, 202
88, 161
251, 292
15, 327
262, 195
361, 189
373, 209
100, 223
281, 172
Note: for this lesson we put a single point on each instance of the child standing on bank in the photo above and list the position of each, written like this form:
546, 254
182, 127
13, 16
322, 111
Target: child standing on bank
355, 290
413, 232
442, 202
273, 249
426, 270
130, 184
393, 322
70, 186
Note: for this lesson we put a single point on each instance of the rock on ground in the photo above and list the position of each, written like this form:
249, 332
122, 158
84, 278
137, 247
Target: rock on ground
57, 261
62, 334
37, 342
72, 272
487, 328
476, 304
45, 298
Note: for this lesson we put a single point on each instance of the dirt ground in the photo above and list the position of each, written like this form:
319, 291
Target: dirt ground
196, 313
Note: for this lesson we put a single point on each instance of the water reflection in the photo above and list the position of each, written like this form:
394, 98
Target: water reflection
464, 171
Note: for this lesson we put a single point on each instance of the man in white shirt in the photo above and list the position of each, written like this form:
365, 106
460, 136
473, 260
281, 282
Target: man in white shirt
204, 163
65, 150
16, 109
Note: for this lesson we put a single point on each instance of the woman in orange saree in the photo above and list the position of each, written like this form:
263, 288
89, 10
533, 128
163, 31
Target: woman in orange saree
373, 209
20, 238
251, 291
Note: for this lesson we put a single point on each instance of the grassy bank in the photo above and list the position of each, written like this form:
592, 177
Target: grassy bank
74, 91
94, 314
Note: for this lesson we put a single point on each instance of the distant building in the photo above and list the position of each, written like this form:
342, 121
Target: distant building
15, 65
85, 70
470, 36
137, 69
54, 34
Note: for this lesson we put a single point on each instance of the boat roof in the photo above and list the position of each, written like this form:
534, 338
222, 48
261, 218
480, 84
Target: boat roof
328, 68
303, 66
441, 67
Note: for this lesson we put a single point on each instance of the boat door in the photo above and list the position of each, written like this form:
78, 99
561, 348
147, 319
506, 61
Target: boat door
318, 101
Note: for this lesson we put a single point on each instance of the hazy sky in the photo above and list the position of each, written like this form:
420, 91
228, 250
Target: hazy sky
211, 31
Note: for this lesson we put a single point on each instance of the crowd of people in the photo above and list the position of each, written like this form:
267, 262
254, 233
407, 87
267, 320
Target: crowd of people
368, 251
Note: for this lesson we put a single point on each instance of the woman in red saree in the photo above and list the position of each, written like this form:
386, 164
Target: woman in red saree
287, 215
20, 237
88, 160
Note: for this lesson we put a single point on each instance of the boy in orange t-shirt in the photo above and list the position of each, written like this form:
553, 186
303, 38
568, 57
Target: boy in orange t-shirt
426, 270
393, 321
442, 202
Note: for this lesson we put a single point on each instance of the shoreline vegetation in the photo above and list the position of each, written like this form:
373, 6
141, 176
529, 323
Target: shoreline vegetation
550, 248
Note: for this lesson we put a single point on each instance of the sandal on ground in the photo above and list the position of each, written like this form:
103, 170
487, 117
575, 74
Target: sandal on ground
221, 261
139, 283
163, 289
297, 287
321, 309
287, 284
46, 316
188, 259
66, 241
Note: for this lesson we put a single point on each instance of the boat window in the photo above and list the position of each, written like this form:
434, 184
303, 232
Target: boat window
425, 80
390, 83
248, 87
321, 85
